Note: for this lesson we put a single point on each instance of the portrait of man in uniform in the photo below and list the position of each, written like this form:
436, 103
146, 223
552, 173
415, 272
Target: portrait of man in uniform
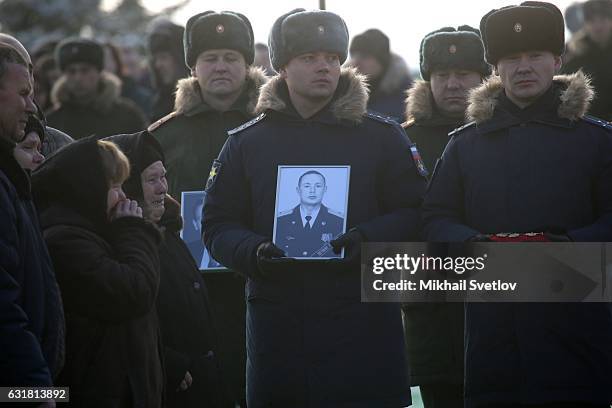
305, 229
192, 203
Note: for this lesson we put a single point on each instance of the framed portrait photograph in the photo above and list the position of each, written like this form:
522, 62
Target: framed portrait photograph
192, 203
311, 210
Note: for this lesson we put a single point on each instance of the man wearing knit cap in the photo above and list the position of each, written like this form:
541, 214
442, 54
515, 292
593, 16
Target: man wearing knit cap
167, 64
529, 162
87, 99
452, 63
590, 50
310, 341
220, 94
387, 73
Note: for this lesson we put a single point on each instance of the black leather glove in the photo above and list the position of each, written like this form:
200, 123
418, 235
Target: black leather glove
351, 242
267, 255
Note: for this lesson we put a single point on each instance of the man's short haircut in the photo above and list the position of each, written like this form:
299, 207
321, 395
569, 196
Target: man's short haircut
311, 172
116, 164
8, 55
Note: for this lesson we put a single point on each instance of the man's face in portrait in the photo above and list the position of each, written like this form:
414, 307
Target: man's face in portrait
311, 189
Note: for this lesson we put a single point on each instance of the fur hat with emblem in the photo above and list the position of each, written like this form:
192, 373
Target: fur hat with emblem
531, 26
299, 32
212, 31
450, 48
79, 50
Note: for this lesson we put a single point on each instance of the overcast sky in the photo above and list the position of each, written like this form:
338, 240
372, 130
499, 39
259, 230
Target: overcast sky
405, 22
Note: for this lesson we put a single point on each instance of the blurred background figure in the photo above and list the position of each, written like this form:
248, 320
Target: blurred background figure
130, 88
574, 19
262, 59
86, 98
590, 49
28, 151
167, 64
46, 74
388, 74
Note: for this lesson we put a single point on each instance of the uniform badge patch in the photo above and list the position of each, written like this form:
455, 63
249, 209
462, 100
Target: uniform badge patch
416, 156
214, 173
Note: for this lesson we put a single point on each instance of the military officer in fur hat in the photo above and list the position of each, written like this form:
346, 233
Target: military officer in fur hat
311, 342
452, 63
220, 94
529, 161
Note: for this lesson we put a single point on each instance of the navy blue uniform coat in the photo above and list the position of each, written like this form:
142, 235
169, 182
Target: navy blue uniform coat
543, 168
310, 341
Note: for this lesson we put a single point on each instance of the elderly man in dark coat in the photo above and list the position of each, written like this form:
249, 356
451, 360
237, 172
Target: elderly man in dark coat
530, 161
310, 339
31, 316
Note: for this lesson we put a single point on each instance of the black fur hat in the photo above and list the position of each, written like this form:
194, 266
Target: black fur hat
450, 48
75, 50
211, 30
532, 26
372, 42
300, 31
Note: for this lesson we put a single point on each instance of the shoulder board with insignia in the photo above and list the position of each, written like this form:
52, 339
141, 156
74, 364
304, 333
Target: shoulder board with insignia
247, 124
334, 212
462, 128
380, 118
408, 123
161, 121
286, 212
598, 122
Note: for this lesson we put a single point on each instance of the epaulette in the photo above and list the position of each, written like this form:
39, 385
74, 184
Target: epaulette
286, 212
408, 123
461, 129
247, 124
336, 213
380, 118
598, 122
155, 125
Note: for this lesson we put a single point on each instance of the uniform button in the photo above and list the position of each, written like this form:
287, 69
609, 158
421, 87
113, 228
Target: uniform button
196, 285
304, 253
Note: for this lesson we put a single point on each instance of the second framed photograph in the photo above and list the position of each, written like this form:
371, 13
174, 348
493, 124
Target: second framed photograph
311, 210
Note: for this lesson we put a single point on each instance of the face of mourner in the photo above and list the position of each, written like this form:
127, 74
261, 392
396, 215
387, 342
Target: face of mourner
27, 152
599, 29
220, 72
16, 101
154, 189
450, 88
82, 79
311, 189
313, 76
165, 66
366, 64
527, 75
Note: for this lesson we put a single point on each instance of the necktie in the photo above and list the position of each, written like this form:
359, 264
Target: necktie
307, 226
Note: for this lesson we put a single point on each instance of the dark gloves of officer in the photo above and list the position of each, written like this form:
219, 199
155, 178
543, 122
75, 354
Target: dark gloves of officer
267, 255
351, 242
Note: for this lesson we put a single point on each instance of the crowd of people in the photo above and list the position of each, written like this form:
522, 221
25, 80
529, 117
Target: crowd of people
506, 131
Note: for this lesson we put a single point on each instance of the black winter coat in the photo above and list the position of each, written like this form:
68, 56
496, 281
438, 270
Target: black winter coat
310, 341
109, 277
188, 335
595, 61
532, 170
31, 315
107, 115
434, 332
